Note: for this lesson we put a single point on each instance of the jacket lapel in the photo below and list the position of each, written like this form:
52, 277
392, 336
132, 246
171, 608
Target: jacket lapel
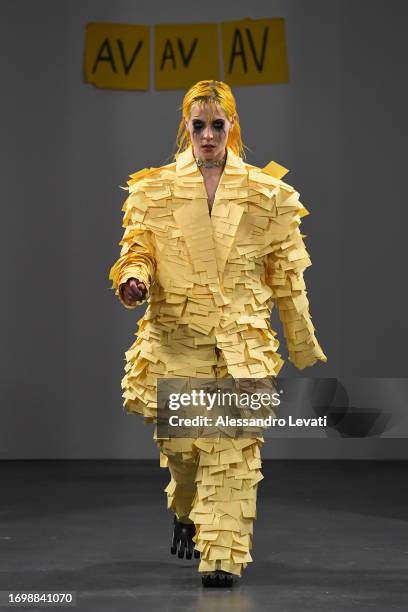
227, 209
209, 238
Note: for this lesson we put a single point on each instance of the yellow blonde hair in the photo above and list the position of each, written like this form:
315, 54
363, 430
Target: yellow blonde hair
210, 92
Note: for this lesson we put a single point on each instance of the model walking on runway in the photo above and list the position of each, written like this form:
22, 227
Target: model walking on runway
213, 244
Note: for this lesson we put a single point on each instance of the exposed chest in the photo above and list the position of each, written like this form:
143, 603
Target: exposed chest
211, 185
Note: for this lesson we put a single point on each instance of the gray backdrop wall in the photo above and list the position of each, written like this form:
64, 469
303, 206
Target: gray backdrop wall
339, 125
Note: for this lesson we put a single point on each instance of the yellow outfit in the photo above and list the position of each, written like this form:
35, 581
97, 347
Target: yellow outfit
212, 281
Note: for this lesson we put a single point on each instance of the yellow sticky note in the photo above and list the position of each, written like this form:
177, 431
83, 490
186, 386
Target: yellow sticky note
225, 539
230, 456
209, 535
254, 52
117, 55
184, 54
220, 552
206, 566
239, 557
275, 170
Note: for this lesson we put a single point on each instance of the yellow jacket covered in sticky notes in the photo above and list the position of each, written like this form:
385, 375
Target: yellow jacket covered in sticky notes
213, 279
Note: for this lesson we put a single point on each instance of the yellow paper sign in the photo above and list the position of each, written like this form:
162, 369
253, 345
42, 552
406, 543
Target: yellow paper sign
254, 52
185, 54
117, 56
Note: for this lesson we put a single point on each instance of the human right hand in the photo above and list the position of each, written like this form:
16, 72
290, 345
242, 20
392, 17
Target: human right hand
133, 291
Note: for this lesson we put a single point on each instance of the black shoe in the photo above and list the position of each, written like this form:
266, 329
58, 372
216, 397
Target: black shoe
182, 540
219, 578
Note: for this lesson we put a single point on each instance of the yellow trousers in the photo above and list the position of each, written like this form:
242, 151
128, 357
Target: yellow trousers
214, 485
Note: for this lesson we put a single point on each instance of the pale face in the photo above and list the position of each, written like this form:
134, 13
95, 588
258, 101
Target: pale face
209, 127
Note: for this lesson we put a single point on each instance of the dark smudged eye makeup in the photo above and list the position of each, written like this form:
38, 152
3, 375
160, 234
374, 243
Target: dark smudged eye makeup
218, 124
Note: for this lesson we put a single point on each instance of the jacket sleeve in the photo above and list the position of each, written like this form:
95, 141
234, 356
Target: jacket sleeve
284, 267
137, 258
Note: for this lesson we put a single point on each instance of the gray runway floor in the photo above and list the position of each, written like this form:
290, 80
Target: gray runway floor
329, 536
